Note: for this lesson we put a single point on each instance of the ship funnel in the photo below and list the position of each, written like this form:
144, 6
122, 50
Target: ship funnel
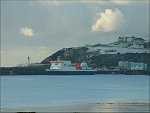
77, 65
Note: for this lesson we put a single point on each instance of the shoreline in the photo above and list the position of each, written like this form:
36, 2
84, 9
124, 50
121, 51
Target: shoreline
12, 71
77, 75
86, 107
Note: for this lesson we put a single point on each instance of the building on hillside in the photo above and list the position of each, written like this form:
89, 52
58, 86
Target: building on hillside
126, 39
132, 42
132, 65
138, 43
123, 64
120, 39
129, 39
138, 66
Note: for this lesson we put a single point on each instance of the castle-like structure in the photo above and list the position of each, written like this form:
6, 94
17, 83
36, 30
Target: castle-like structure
133, 41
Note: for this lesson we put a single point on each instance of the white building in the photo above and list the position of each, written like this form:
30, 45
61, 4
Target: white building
132, 65
138, 43
131, 42
126, 39
138, 66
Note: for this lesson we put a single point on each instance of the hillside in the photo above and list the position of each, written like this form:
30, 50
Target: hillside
130, 49
101, 57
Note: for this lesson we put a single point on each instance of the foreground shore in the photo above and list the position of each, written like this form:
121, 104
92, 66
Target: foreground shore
86, 107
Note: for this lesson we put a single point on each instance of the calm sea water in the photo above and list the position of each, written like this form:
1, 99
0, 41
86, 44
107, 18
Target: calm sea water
43, 90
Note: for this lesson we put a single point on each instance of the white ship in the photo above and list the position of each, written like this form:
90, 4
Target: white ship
60, 67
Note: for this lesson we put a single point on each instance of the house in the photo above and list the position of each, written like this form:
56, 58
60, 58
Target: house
123, 64
132, 65
138, 43
132, 42
138, 66
126, 39
120, 39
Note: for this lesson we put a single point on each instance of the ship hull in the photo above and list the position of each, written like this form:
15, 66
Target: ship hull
71, 72
53, 72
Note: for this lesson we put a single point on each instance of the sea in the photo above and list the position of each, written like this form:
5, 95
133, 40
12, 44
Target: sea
49, 90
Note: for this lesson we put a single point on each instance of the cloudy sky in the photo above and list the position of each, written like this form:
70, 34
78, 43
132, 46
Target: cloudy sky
40, 28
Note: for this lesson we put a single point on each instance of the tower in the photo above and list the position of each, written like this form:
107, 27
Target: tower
28, 60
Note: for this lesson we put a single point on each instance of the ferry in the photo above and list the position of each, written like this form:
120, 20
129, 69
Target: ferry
61, 67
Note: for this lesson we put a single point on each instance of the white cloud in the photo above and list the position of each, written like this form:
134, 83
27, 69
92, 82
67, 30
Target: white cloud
108, 21
26, 31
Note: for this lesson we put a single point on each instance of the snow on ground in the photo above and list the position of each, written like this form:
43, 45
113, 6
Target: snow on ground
115, 50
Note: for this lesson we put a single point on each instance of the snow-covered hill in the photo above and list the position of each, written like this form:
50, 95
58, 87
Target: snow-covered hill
116, 49
125, 49
122, 45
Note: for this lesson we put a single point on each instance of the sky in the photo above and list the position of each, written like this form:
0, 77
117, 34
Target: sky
40, 28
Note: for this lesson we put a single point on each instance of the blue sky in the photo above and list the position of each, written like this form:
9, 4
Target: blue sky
40, 28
